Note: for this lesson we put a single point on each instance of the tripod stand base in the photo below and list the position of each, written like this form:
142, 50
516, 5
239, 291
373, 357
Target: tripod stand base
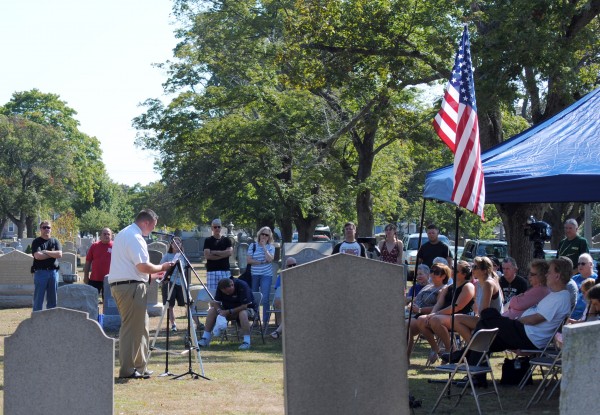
162, 375
193, 374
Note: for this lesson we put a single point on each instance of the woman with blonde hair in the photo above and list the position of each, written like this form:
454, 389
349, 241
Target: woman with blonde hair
488, 294
260, 256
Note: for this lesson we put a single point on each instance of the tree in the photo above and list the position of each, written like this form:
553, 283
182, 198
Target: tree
86, 155
30, 178
547, 56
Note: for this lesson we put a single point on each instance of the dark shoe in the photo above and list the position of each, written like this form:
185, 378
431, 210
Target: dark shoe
453, 357
480, 381
136, 375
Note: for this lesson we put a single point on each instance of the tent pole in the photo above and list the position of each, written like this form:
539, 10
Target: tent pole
414, 280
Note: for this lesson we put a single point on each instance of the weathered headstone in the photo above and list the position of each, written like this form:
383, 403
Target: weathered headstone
335, 359
154, 307
85, 245
79, 297
193, 249
161, 247
16, 280
69, 246
305, 252
580, 370
7, 249
71, 259
59, 362
111, 319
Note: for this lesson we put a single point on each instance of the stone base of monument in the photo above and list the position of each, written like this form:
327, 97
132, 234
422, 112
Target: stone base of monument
111, 322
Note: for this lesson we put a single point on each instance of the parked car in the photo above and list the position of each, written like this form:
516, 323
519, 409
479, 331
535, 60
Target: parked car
411, 243
474, 248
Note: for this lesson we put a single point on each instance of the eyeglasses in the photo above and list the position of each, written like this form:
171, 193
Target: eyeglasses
46, 227
216, 227
291, 265
437, 271
581, 264
265, 234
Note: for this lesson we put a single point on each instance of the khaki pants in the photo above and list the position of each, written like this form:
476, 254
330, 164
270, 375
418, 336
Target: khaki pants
133, 335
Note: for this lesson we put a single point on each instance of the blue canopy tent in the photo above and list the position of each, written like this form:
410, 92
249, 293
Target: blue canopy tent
555, 161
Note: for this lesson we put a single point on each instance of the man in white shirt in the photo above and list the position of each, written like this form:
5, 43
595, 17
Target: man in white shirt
130, 270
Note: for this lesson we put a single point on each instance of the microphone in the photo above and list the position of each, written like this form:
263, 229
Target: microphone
163, 233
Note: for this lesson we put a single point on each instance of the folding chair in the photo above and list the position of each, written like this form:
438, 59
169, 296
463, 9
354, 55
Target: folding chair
256, 323
480, 342
548, 353
273, 309
554, 366
201, 304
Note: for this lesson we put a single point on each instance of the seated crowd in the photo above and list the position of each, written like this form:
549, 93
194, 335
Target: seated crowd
528, 320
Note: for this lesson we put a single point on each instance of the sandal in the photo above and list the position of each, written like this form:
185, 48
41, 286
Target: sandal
275, 335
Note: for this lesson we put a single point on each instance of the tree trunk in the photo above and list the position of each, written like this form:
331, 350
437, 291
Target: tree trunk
364, 211
306, 227
31, 228
514, 216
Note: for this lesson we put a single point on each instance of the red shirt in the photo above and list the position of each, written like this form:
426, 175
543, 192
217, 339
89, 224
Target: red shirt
99, 253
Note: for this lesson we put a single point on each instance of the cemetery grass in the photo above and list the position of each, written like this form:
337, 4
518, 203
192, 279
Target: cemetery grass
251, 382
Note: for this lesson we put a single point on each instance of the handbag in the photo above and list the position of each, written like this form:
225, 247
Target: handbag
513, 371
247, 275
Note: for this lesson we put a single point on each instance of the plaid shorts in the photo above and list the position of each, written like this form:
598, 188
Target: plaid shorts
213, 278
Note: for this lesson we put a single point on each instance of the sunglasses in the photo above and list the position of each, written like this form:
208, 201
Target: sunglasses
216, 227
581, 264
46, 227
265, 234
291, 265
437, 271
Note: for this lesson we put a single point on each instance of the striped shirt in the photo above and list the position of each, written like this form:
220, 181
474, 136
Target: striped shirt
257, 252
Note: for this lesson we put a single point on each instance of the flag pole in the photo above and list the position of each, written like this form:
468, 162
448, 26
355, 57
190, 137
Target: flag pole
414, 280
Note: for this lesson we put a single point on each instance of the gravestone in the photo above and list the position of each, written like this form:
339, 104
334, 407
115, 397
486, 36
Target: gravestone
70, 258
335, 359
69, 246
7, 249
159, 246
305, 252
154, 307
26, 242
192, 248
59, 362
580, 369
16, 280
85, 245
111, 319
79, 297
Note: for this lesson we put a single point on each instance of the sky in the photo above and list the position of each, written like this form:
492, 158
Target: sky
97, 56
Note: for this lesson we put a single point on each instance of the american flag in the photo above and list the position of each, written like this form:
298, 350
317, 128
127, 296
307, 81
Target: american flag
457, 125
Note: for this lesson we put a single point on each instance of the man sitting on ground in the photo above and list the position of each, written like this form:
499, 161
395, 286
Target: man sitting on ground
234, 301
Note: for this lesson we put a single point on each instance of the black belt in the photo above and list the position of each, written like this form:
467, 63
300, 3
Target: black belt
114, 284
46, 269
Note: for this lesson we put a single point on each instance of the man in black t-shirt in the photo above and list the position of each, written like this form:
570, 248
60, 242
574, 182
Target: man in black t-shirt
217, 250
511, 283
46, 252
433, 248
233, 301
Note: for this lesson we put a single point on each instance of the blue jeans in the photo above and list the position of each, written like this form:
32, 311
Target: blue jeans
262, 284
45, 284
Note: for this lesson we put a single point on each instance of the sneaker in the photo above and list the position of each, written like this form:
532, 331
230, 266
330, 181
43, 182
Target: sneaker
174, 328
203, 342
245, 346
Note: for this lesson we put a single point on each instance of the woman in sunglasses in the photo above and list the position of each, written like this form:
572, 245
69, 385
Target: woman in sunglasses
439, 321
488, 294
260, 256
426, 299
